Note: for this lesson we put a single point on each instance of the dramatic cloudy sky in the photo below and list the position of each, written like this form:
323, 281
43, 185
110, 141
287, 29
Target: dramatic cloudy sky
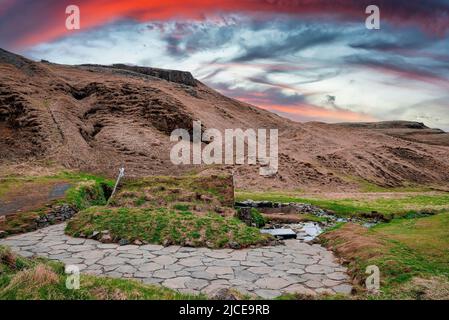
307, 60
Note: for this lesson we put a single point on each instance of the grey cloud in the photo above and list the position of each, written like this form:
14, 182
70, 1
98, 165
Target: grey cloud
426, 68
293, 43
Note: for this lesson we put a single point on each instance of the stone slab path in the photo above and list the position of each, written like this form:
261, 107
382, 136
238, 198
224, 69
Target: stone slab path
267, 272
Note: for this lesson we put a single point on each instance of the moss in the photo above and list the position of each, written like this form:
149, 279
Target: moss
86, 194
181, 207
257, 219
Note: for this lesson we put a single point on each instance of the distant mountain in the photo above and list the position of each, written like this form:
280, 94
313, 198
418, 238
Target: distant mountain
408, 130
95, 117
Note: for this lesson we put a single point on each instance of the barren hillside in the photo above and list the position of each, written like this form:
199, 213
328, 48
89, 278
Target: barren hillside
95, 117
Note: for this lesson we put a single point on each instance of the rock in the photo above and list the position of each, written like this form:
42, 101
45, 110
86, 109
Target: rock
3, 234
166, 242
224, 294
106, 238
189, 243
299, 289
234, 245
123, 242
181, 77
244, 214
94, 235
343, 288
138, 242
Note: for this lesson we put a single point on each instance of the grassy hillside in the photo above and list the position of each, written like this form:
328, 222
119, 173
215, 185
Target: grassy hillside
412, 255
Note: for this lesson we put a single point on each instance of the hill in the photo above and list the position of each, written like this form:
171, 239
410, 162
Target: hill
94, 118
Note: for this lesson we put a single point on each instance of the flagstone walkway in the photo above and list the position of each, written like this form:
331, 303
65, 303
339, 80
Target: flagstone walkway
267, 272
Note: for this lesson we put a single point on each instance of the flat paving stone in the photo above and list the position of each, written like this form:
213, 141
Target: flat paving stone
164, 274
316, 268
196, 284
108, 261
337, 276
260, 270
191, 262
176, 283
149, 266
272, 283
343, 288
219, 270
165, 260
300, 289
267, 272
126, 269
267, 294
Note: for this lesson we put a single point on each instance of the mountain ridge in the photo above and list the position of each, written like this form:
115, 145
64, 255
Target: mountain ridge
94, 118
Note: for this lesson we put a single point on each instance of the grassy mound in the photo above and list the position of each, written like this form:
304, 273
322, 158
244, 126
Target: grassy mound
38, 279
165, 226
196, 193
191, 211
412, 255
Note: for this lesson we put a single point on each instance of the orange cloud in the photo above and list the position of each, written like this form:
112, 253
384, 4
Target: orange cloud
305, 111
44, 19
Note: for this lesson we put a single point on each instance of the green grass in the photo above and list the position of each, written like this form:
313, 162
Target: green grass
86, 194
164, 226
39, 279
428, 237
390, 208
257, 218
170, 188
404, 250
